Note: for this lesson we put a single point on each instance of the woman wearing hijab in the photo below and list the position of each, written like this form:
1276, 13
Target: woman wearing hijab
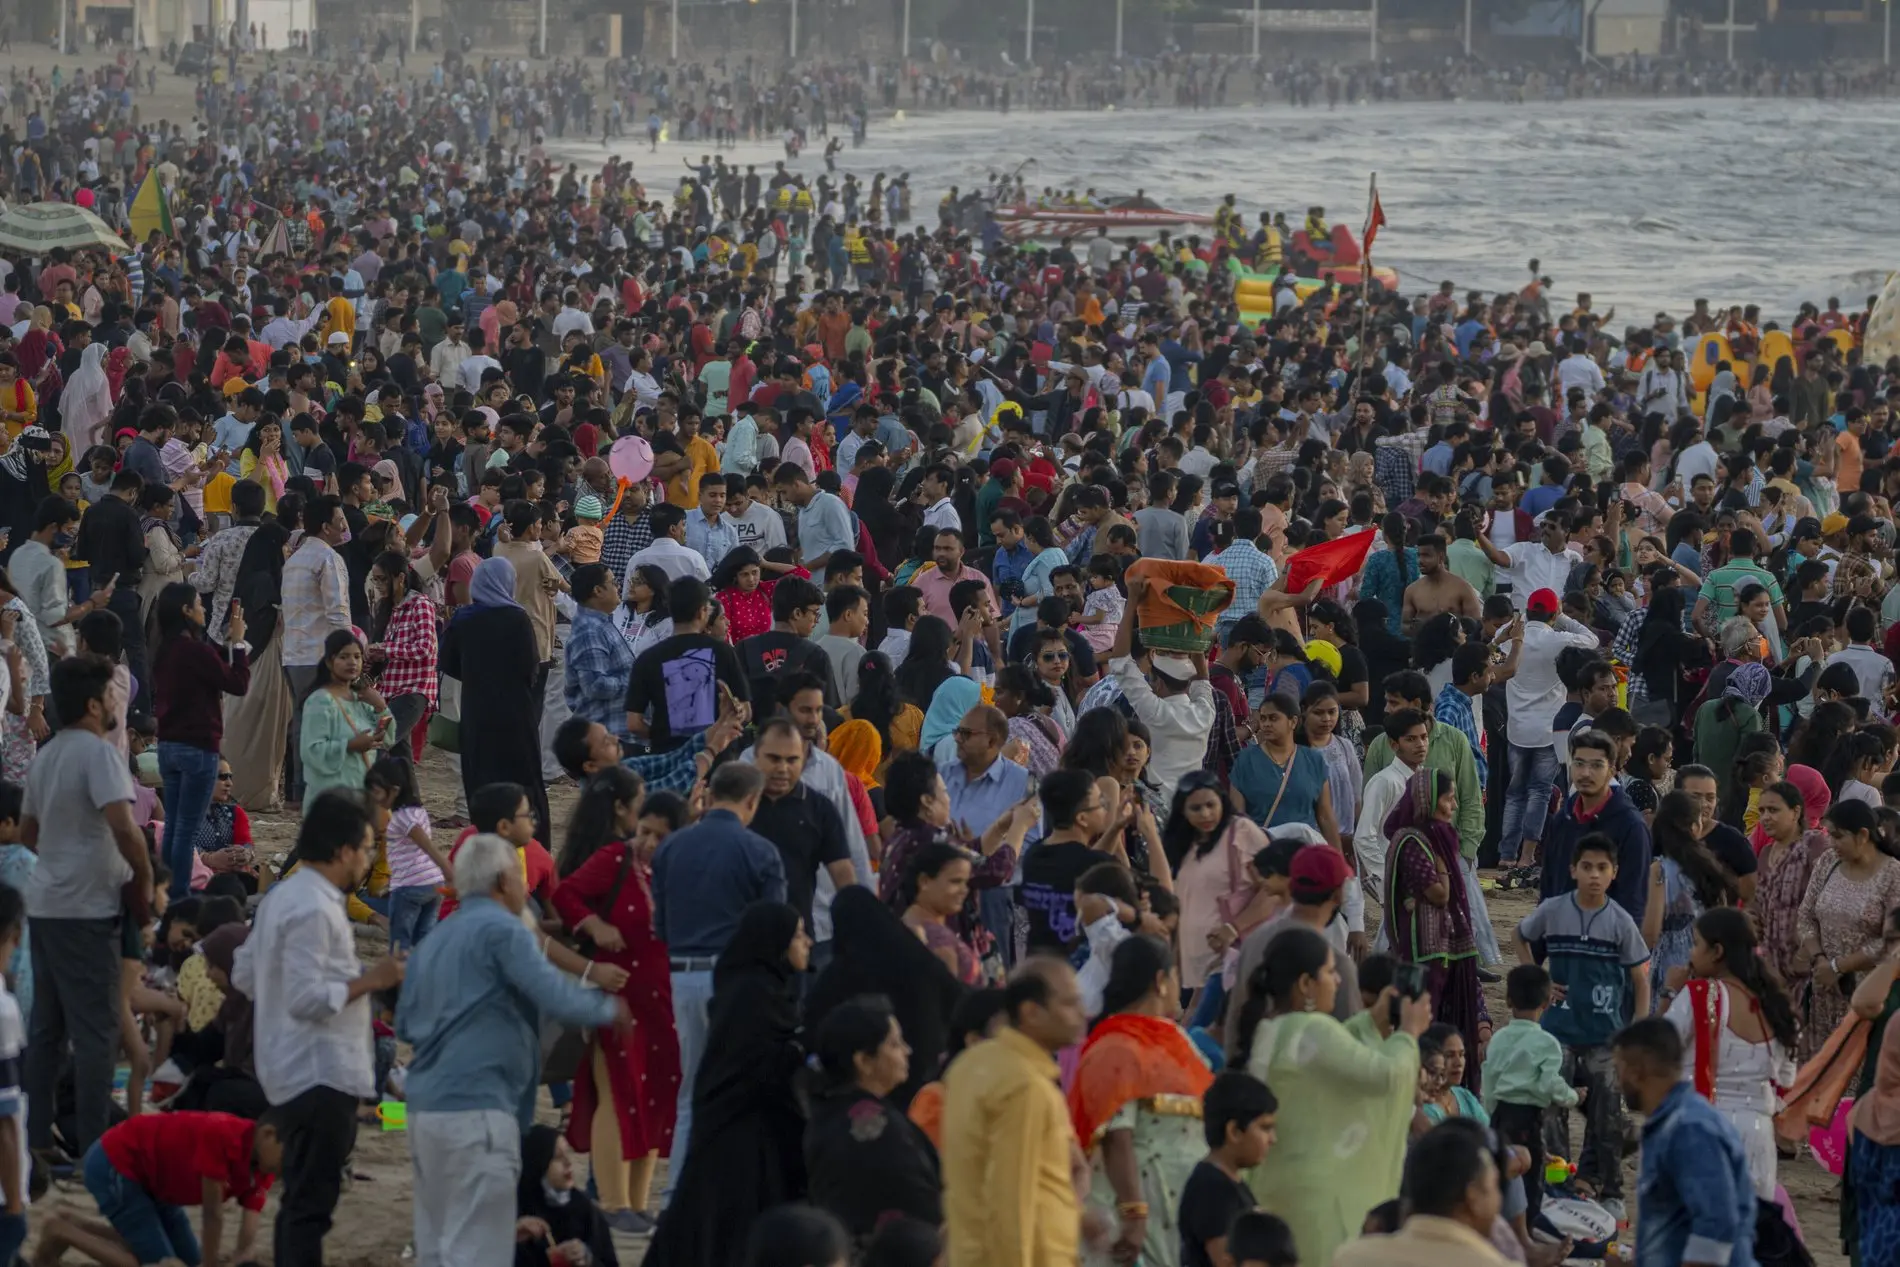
1429, 913
871, 501
855, 745
874, 952
747, 1147
490, 641
1721, 724
230, 1084
86, 403
257, 723
547, 1192
23, 484
957, 696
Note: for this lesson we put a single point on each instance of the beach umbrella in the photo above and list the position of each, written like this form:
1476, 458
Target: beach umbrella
36, 228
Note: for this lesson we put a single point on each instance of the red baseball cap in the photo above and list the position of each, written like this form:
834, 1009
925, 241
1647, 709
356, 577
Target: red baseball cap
1543, 603
1318, 870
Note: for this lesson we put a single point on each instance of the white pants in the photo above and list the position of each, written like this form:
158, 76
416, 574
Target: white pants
553, 713
466, 1166
1488, 952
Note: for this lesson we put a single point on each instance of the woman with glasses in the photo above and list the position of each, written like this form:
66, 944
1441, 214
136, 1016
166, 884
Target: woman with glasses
224, 839
1052, 661
1210, 847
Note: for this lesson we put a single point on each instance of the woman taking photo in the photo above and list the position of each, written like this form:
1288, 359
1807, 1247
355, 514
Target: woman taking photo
1135, 1100
257, 723
1429, 909
746, 1153
490, 641
916, 800
1685, 879
344, 724
1788, 837
868, 1163
1276, 781
1210, 847
1345, 1107
628, 1086
1739, 1032
190, 677
1852, 886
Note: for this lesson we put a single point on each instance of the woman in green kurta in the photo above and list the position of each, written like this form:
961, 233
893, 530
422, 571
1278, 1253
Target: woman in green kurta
343, 725
1345, 1108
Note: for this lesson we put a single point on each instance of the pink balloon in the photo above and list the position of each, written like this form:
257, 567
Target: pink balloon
1829, 1143
84, 198
631, 459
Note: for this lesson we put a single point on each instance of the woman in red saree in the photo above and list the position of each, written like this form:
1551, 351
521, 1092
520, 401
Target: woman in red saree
1136, 1105
627, 1090
1427, 910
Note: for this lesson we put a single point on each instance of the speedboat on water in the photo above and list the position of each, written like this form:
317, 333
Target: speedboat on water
1137, 215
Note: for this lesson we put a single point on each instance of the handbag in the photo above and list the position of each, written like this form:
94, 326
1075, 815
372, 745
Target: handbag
564, 1048
445, 724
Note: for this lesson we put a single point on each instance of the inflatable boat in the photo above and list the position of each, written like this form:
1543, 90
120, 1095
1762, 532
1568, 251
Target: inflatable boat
1122, 217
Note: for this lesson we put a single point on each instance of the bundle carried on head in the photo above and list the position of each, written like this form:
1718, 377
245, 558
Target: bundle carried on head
1178, 610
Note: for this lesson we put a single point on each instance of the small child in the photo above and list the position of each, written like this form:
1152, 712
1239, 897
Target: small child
417, 868
17, 864
583, 541
1523, 1075
1376, 972
1107, 909
1599, 966
1259, 1239
1102, 609
1237, 1114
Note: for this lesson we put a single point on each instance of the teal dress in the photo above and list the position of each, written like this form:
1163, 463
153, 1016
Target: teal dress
328, 726
1468, 1104
1257, 778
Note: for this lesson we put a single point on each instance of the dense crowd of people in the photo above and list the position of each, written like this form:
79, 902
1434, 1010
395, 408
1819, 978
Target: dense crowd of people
1045, 749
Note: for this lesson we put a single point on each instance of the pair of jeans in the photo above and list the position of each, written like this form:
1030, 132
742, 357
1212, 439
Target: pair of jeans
1592, 1070
412, 912
692, 1001
466, 1166
1533, 774
151, 1229
318, 1128
76, 984
191, 777
408, 710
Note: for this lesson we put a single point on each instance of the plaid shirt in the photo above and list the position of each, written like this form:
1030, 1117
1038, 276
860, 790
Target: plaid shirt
409, 648
599, 662
1454, 709
623, 537
1223, 742
1396, 470
673, 771
1253, 574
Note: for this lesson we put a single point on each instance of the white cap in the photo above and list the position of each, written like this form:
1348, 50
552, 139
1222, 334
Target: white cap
339, 337
1175, 668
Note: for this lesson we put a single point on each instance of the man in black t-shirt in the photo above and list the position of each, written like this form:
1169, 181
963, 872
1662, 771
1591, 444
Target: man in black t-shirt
678, 679
802, 825
1237, 1112
787, 648
1076, 816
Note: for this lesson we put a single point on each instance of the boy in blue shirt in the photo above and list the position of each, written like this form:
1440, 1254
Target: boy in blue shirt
1599, 971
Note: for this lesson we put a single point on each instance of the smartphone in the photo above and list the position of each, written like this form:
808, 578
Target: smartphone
1408, 979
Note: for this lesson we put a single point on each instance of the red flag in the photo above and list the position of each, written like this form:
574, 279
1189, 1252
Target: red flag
1329, 562
1373, 221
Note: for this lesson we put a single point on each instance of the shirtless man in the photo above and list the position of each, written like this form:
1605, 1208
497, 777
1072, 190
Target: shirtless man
1437, 589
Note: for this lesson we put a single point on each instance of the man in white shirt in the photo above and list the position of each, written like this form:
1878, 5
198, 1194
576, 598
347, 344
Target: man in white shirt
757, 524
1410, 733
477, 360
1533, 697
1174, 699
669, 551
309, 994
934, 494
571, 317
1543, 564
1578, 370
445, 362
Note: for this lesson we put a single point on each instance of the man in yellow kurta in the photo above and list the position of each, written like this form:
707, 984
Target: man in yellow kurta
1009, 1149
340, 315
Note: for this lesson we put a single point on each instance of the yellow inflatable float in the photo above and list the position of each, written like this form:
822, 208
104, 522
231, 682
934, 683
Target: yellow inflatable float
1708, 351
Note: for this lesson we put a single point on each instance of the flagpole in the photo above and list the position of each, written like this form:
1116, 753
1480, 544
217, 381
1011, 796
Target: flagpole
1365, 274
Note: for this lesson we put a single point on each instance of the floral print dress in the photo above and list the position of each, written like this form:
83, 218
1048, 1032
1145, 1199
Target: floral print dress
1844, 915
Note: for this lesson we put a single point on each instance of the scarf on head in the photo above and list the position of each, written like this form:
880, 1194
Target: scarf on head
855, 746
1131, 1057
493, 586
1423, 933
16, 458
1749, 683
954, 697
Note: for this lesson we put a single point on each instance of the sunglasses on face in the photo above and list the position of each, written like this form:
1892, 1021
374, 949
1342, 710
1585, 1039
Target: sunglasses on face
1054, 657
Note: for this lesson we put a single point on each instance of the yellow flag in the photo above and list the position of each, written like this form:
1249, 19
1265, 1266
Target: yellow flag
150, 210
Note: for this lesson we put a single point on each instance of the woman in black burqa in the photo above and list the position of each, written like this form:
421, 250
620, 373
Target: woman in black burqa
746, 1154
874, 952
